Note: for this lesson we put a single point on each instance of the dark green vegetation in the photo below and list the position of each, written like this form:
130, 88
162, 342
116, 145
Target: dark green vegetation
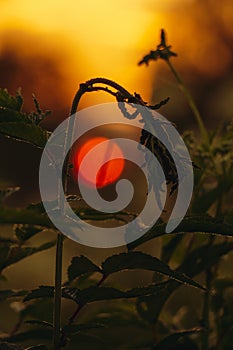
106, 315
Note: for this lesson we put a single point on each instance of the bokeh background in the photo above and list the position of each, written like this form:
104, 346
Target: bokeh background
49, 47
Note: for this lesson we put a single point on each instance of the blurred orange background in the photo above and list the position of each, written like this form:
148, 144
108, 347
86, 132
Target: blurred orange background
49, 47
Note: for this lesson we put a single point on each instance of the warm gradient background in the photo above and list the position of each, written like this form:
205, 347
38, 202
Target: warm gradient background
48, 47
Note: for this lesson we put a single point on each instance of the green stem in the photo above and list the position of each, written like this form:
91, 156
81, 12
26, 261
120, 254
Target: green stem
79, 307
191, 103
57, 294
196, 113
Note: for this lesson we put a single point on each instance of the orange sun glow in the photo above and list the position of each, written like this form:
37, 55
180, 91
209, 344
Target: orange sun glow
109, 172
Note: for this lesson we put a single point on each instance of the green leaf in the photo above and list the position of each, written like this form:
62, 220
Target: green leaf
96, 293
10, 293
23, 216
9, 116
33, 215
9, 101
196, 262
25, 232
139, 260
81, 265
41, 292
13, 254
39, 309
197, 223
16, 124
83, 281
171, 342
29, 133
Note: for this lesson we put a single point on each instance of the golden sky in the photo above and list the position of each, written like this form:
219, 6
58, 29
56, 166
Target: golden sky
91, 38
104, 38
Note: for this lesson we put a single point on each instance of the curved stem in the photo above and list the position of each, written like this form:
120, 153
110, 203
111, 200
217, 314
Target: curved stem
79, 307
88, 87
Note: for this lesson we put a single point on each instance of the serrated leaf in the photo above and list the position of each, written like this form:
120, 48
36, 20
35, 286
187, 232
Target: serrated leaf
10, 293
83, 281
41, 292
9, 116
139, 260
81, 265
96, 293
196, 262
190, 224
40, 309
33, 215
17, 253
23, 216
25, 232
29, 133
9, 101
